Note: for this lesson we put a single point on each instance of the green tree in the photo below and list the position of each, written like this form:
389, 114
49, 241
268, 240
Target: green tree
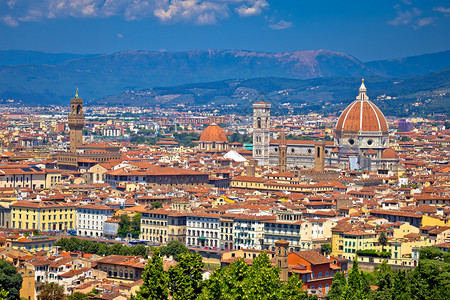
124, 225
140, 250
136, 225
227, 283
174, 248
94, 292
401, 289
382, 239
3, 294
10, 280
155, 280
357, 286
337, 287
78, 296
384, 280
292, 289
263, 279
51, 291
185, 279
156, 204
325, 249
260, 281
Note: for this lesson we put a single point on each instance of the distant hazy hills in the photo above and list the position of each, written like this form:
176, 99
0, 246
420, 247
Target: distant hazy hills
36, 77
400, 96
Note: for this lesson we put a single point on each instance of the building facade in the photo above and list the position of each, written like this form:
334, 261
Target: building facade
91, 219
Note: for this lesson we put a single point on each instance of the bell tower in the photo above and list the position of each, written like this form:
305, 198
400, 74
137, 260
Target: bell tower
319, 157
261, 132
282, 153
76, 122
281, 258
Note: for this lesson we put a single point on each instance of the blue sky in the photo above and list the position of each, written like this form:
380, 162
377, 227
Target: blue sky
365, 29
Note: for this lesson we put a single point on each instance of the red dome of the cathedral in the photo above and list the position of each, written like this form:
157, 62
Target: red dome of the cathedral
361, 116
213, 133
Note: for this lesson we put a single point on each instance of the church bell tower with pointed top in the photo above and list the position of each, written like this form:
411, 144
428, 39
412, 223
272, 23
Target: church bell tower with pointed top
76, 122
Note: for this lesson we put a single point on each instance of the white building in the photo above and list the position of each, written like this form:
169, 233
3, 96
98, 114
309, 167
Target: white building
249, 231
91, 219
203, 230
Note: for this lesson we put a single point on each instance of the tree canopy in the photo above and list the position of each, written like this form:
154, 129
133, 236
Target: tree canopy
51, 291
75, 244
10, 280
155, 280
430, 280
132, 226
173, 248
258, 281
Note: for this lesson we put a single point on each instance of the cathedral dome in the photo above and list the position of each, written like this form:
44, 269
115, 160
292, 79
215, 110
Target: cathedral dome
361, 116
213, 133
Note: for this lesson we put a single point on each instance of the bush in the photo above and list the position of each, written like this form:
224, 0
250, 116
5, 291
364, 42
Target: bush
374, 253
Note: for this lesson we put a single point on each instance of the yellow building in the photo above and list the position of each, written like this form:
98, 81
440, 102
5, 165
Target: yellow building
405, 229
27, 291
31, 244
434, 221
43, 215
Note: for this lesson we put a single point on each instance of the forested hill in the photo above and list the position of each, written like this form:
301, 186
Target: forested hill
36, 78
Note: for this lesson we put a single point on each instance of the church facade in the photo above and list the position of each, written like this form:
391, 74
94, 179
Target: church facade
361, 141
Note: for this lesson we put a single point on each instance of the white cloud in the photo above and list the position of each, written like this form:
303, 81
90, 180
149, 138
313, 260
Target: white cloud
8, 20
120, 36
252, 9
424, 22
200, 12
443, 10
281, 25
405, 16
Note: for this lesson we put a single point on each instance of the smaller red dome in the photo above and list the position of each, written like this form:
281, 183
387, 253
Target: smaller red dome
371, 151
213, 133
389, 154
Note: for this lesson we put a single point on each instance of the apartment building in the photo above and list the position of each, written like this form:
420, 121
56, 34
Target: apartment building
297, 233
91, 219
203, 230
43, 215
248, 230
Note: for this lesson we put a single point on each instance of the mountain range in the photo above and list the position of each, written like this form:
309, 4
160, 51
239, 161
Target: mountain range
36, 77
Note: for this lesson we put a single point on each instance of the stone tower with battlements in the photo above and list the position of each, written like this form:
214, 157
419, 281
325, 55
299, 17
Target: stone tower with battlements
76, 122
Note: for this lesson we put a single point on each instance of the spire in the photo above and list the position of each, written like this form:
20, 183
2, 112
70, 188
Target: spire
76, 93
362, 92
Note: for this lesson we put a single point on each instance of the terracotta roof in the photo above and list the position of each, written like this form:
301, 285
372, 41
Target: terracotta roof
313, 257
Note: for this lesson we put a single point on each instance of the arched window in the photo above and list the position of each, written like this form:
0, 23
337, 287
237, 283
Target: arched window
320, 274
78, 109
258, 123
